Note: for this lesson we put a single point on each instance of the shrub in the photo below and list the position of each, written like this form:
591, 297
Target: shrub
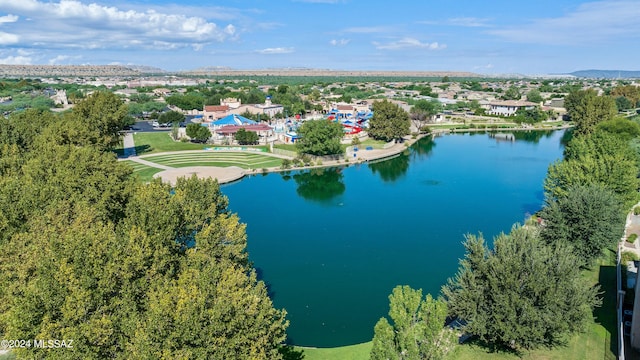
636, 210
319, 162
632, 238
355, 141
628, 256
265, 170
425, 129
286, 164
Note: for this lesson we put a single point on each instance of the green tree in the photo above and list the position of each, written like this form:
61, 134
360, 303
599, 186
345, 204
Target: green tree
621, 127
586, 109
623, 103
198, 132
418, 328
512, 93
103, 114
523, 294
590, 217
170, 278
530, 116
320, 137
244, 137
171, 117
534, 96
602, 159
389, 121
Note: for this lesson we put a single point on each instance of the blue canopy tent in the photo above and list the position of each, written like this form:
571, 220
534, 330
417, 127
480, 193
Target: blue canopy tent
232, 119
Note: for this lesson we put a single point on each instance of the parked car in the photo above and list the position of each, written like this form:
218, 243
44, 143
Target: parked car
155, 124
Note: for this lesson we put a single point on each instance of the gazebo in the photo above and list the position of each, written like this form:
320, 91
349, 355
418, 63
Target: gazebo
230, 130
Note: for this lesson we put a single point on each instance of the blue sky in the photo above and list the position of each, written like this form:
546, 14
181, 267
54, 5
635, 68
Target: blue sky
488, 36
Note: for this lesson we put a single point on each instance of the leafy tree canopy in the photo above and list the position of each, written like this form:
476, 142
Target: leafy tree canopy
418, 328
244, 137
389, 121
586, 109
590, 217
320, 137
523, 294
171, 117
601, 158
198, 132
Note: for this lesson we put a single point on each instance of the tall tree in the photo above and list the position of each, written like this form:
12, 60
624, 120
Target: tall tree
170, 280
389, 121
534, 96
590, 217
171, 117
601, 158
320, 137
586, 109
198, 132
523, 294
104, 114
244, 137
418, 330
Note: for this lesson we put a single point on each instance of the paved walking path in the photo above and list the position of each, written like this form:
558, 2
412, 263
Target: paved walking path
149, 163
128, 145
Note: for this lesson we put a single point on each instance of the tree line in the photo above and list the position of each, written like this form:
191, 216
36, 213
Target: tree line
126, 270
528, 290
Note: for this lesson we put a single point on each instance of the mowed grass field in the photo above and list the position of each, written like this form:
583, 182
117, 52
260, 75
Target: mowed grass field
245, 160
157, 142
143, 172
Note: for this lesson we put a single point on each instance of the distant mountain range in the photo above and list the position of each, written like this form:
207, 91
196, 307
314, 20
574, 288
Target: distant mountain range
606, 74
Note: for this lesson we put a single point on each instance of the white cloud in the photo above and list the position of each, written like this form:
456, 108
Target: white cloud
60, 59
8, 39
278, 50
72, 23
594, 22
16, 60
408, 43
341, 42
468, 22
8, 19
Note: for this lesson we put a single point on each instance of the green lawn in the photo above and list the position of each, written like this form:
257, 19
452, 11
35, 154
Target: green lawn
156, 142
143, 172
352, 352
244, 160
290, 147
376, 144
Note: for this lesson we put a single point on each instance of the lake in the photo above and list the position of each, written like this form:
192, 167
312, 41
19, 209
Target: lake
331, 244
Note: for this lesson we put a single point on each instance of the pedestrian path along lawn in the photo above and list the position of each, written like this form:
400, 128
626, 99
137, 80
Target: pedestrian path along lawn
217, 158
144, 172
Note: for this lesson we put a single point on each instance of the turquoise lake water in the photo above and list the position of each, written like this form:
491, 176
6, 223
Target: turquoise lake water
331, 244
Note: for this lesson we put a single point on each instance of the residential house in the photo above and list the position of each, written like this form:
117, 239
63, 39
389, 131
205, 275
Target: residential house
214, 112
509, 107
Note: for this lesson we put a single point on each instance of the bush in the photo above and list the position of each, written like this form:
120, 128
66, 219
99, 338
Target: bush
355, 141
628, 256
636, 210
319, 162
632, 238
286, 164
425, 129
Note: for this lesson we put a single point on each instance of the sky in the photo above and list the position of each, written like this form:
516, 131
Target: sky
486, 37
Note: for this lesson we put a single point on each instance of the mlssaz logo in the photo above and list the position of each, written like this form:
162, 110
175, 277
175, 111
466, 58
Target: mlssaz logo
53, 344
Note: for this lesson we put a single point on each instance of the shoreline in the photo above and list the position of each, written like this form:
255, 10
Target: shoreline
226, 175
